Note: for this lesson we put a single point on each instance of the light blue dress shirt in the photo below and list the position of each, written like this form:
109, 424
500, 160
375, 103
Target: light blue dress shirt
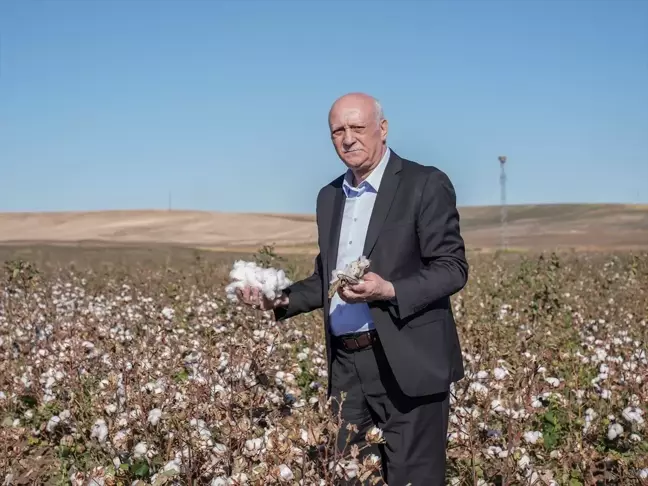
358, 206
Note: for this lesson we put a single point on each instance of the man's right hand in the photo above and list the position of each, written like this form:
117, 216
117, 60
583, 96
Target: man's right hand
254, 297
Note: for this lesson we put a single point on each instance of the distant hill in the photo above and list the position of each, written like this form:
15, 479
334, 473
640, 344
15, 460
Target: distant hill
550, 226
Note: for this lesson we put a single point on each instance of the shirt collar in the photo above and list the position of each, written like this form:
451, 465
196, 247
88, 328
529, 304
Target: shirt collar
371, 183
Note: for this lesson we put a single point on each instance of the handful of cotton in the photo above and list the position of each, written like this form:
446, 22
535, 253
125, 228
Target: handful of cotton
352, 274
269, 281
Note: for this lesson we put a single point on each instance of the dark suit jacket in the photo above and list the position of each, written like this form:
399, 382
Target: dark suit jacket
414, 241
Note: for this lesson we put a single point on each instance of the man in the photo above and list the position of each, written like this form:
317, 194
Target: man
391, 340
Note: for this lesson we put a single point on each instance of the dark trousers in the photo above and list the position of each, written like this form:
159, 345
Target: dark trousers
414, 428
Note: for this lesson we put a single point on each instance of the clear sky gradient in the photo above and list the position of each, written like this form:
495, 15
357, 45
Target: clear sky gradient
114, 104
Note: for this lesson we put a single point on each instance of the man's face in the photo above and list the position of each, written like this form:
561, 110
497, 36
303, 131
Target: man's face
357, 134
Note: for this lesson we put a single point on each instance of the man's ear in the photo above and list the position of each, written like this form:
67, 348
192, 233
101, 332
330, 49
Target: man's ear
384, 128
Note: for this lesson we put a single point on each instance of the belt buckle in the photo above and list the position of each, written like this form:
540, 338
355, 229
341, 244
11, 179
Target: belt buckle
355, 343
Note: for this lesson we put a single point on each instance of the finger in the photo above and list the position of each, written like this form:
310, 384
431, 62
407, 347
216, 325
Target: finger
349, 296
244, 294
343, 294
266, 304
359, 288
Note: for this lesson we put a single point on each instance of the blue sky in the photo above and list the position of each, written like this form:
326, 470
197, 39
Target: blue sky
114, 104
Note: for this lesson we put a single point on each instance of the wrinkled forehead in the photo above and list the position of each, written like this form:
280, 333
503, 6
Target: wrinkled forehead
346, 116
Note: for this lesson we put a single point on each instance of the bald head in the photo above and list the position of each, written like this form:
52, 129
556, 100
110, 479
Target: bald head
359, 132
361, 101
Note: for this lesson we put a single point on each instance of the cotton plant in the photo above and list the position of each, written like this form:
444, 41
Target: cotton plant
187, 382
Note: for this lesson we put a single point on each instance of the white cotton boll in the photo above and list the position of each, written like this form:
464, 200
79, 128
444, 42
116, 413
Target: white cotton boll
493, 451
285, 473
173, 465
251, 277
555, 382
279, 377
221, 481
269, 285
120, 439
140, 449
500, 373
269, 281
238, 271
478, 388
532, 437
253, 445
614, 431
100, 430
154, 416
52, 423
633, 414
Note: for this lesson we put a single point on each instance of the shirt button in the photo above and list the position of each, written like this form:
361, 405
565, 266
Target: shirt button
355, 219
350, 242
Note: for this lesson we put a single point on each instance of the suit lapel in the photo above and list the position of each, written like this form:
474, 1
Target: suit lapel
337, 208
384, 198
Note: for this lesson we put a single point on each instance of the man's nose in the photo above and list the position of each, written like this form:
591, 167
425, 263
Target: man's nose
348, 139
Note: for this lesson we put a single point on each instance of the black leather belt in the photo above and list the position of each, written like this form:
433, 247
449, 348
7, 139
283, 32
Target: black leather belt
357, 340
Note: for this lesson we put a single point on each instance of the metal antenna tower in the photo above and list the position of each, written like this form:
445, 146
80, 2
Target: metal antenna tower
503, 212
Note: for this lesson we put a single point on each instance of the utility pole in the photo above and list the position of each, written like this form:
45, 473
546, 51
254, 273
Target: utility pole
503, 212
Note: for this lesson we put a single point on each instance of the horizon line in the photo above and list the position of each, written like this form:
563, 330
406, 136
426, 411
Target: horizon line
260, 213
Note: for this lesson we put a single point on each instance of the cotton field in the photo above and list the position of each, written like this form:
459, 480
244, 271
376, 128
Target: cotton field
124, 367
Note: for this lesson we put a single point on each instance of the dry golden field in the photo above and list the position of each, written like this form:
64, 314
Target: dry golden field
535, 227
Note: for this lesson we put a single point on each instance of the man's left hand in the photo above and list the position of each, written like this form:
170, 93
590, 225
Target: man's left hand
372, 287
